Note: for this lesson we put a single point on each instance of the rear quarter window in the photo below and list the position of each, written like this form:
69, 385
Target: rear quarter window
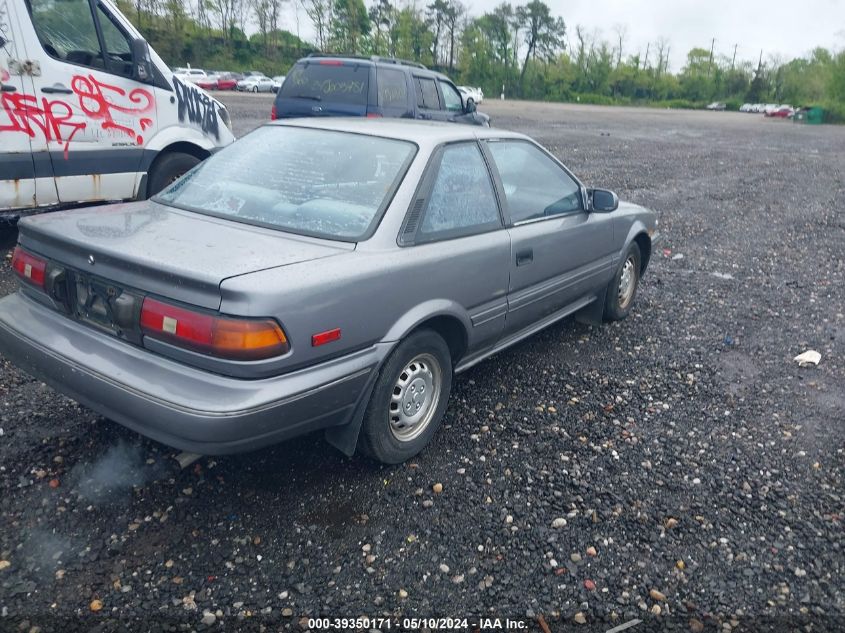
392, 89
320, 81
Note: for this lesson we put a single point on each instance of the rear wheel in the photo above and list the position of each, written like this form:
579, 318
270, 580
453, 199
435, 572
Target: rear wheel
168, 168
408, 400
255, 88
622, 290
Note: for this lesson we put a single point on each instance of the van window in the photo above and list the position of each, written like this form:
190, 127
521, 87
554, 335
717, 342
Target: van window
331, 82
118, 49
67, 32
392, 89
451, 97
427, 94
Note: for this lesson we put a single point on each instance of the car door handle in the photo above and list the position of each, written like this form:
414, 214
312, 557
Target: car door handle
57, 89
524, 257
8, 88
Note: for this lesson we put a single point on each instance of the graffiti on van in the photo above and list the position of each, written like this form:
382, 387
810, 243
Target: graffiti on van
55, 119
196, 106
100, 101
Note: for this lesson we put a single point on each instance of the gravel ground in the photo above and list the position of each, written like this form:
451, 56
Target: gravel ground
677, 467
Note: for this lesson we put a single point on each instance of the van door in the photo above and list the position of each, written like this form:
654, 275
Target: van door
99, 115
26, 176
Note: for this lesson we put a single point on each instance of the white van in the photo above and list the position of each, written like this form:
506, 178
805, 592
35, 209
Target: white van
88, 112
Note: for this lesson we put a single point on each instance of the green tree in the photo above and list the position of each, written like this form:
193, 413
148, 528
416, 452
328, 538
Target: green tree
544, 33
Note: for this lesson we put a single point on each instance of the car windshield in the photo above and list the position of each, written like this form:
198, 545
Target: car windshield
323, 183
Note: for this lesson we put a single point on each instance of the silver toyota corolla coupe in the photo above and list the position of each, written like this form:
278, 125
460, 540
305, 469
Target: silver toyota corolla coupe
325, 274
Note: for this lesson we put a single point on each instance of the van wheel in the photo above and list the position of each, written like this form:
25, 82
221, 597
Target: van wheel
168, 168
409, 399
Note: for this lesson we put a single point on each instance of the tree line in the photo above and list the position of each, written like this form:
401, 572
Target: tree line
523, 50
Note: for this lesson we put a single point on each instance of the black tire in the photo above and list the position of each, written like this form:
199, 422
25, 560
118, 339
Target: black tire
255, 88
168, 168
470, 100
618, 300
382, 436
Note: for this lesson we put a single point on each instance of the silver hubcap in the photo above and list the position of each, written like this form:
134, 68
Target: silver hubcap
627, 283
415, 397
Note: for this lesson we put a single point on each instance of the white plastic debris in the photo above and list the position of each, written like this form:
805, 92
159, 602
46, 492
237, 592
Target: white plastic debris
677, 256
810, 357
718, 275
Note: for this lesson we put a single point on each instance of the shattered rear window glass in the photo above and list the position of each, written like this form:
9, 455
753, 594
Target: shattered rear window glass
315, 182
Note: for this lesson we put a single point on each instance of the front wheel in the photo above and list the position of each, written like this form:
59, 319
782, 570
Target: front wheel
409, 399
622, 290
255, 88
167, 169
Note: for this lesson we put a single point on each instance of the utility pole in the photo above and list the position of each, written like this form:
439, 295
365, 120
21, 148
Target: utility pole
733, 61
666, 63
710, 64
645, 61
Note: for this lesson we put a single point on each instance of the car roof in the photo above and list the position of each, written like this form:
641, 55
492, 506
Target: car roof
419, 132
377, 61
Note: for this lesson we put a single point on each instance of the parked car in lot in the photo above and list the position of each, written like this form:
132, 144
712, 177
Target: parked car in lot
227, 81
717, 105
472, 94
322, 85
254, 83
745, 107
193, 74
781, 112
271, 292
209, 82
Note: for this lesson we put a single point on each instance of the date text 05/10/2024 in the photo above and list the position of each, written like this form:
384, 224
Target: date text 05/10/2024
414, 624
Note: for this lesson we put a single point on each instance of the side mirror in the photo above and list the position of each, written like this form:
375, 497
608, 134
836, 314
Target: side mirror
142, 65
603, 200
469, 107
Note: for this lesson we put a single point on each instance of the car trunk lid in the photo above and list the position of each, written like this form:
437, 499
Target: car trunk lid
166, 251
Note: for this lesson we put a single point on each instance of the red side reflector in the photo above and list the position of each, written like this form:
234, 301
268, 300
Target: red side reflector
374, 115
273, 113
224, 337
331, 62
29, 268
325, 337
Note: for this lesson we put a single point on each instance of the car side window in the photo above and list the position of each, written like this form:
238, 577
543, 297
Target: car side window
462, 200
392, 89
451, 97
427, 94
535, 185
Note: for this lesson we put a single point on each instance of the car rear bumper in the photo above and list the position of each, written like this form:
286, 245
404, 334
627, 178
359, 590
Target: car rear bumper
173, 403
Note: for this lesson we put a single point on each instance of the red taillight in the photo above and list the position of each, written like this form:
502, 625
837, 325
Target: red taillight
29, 268
374, 115
331, 62
273, 113
224, 337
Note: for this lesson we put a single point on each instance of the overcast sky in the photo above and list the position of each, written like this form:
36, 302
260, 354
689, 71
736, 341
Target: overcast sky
788, 28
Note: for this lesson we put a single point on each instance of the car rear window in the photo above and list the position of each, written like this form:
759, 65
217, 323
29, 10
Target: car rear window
323, 183
328, 80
